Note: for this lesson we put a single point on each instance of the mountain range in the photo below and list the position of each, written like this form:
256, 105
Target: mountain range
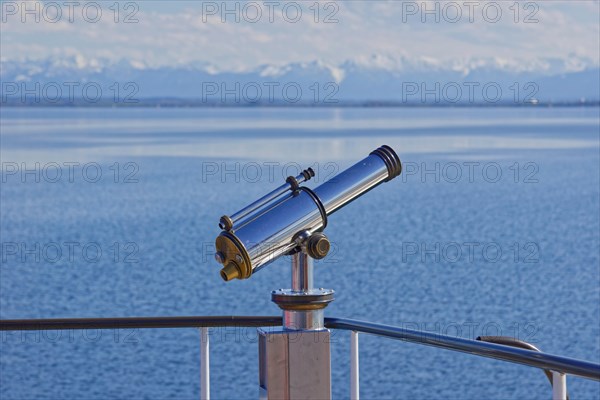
72, 79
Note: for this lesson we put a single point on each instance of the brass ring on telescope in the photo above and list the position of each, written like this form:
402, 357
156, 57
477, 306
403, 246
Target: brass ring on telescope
233, 249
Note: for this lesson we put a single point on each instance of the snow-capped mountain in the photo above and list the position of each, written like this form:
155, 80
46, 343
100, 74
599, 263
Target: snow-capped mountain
372, 80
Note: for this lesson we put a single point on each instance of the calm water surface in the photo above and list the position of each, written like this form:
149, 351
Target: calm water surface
493, 228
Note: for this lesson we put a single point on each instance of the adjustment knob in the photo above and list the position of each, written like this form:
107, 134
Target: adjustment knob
318, 246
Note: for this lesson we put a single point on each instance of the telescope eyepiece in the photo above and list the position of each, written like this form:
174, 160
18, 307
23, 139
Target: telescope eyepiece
230, 271
225, 223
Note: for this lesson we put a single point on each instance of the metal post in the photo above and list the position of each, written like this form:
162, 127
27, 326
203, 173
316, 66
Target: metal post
302, 272
295, 360
354, 367
559, 386
204, 365
302, 283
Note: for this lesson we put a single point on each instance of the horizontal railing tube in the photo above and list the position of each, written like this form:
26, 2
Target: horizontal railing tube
137, 322
532, 358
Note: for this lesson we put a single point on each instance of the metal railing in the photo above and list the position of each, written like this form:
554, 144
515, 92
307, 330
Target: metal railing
531, 358
560, 366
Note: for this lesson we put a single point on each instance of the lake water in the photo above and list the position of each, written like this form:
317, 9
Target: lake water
493, 228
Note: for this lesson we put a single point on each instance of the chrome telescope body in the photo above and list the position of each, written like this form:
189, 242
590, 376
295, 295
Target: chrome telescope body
292, 216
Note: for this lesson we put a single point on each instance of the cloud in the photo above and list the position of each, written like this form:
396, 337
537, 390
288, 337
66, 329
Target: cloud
382, 34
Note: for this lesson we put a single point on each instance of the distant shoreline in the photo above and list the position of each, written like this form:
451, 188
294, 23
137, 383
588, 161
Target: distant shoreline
196, 103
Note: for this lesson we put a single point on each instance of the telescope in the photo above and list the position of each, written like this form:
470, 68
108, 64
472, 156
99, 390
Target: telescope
290, 221
291, 218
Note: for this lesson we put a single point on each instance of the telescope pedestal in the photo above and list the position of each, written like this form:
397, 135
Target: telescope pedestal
295, 360
294, 364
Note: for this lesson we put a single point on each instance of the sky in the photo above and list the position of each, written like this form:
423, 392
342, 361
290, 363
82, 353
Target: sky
242, 35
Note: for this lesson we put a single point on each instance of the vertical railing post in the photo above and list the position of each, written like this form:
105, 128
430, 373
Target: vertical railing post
559, 386
354, 367
204, 365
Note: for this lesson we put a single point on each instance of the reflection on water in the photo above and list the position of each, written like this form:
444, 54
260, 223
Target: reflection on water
282, 134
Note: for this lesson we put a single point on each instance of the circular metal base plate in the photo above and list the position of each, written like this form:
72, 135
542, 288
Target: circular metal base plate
313, 299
